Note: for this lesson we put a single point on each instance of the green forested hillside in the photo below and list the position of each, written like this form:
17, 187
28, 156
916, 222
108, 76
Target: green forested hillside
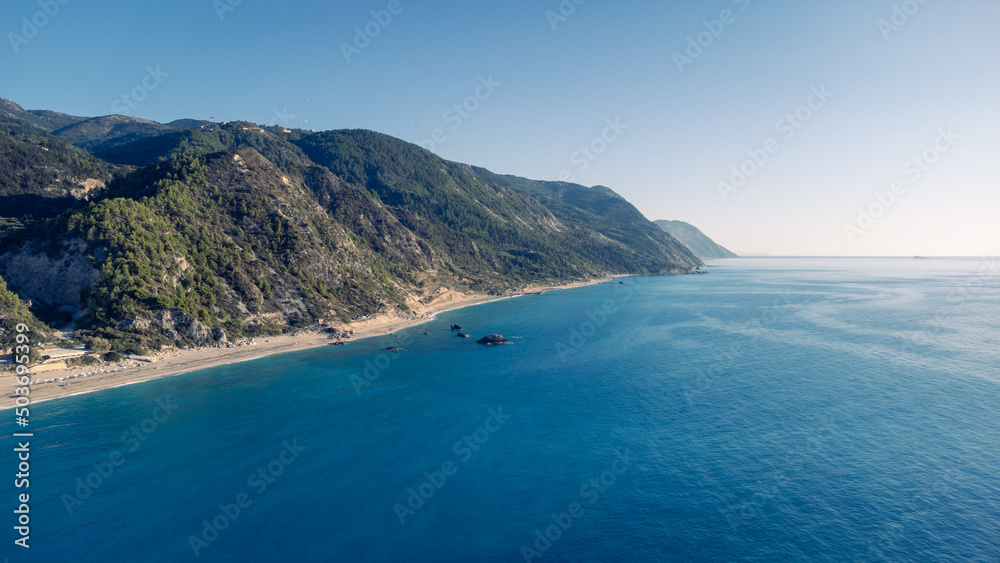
225, 240
201, 234
90, 132
602, 210
487, 220
14, 311
41, 175
35, 163
199, 141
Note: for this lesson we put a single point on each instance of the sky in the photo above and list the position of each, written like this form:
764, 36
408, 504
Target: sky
787, 127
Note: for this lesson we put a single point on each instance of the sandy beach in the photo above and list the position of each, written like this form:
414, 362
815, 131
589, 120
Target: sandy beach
78, 380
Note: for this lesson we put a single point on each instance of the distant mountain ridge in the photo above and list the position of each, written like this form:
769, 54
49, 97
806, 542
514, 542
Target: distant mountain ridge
43, 119
197, 232
702, 246
99, 131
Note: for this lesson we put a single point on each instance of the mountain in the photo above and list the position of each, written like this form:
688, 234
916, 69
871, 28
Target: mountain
489, 225
196, 232
703, 247
41, 175
101, 134
603, 210
42, 119
90, 132
203, 139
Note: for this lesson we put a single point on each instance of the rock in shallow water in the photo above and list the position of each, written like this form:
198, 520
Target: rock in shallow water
492, 339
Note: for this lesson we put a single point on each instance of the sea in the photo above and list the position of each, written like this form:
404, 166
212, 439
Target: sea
770, 410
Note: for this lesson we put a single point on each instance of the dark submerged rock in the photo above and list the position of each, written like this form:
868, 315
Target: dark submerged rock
463, 335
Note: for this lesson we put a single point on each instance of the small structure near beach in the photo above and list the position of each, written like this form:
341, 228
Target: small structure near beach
492, 339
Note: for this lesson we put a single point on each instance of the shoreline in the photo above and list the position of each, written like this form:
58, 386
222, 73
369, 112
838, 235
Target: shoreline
72, 381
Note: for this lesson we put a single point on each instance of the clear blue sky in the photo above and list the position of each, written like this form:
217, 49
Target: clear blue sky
556, 83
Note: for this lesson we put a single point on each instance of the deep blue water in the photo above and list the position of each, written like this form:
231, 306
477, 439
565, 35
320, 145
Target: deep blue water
772, 410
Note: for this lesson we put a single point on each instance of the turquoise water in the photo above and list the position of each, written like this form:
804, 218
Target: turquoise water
772, 410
